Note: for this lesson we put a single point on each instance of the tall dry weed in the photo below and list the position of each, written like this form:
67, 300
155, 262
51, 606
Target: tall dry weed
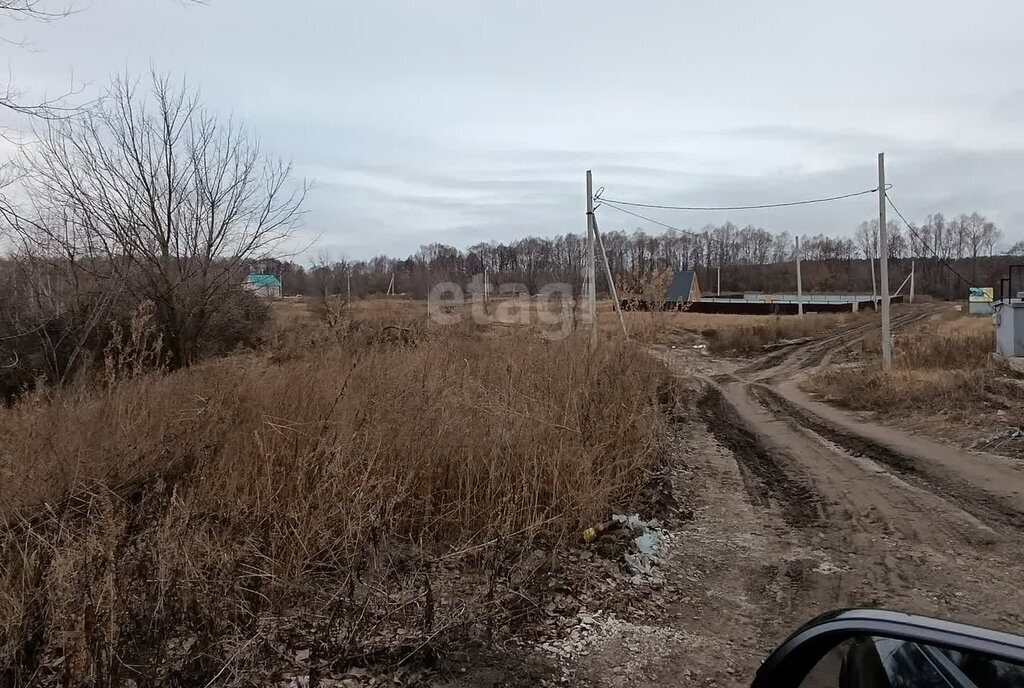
184, 528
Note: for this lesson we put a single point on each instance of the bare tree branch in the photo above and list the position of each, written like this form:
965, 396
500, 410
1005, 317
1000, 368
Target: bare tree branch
13, 99
153, 192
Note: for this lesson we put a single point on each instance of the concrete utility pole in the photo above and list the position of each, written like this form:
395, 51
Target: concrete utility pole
799, 283
485, 286
348, 287
591, 263
883, 265
719, 292
911, 281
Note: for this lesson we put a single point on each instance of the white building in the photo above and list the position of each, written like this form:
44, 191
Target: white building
266, 286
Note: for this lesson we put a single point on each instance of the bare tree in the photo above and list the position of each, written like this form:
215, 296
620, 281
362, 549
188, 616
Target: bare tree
898, 246
152, 191
867, 238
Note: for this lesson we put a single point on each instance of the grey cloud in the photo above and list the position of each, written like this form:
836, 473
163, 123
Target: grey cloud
946, 181
1010, 107
462, 121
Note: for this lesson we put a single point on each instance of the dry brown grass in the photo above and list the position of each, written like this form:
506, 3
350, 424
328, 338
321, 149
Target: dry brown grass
212, 523
735, 334
961, 394
943, 366
950, 341
752, 337
291, 312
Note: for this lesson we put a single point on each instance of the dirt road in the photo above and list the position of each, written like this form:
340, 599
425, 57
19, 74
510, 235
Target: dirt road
800, 508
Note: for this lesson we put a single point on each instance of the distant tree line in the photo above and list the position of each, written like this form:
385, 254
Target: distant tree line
750, 258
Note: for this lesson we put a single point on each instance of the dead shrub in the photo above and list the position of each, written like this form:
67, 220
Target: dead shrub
238, 322
358, 505
135, 351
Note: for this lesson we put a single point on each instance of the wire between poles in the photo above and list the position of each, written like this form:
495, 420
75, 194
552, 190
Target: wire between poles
925, 243
760, 206
614, 205
647, 219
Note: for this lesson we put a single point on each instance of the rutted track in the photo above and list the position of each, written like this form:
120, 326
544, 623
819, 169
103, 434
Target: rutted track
764, 476
902, 522
805, 450
814, 353
871, 494
968, 497
982, 486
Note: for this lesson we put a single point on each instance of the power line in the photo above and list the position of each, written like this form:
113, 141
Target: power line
925, 243
614, 206
610, 204
744, 207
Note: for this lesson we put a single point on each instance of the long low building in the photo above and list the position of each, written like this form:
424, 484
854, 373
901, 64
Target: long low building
683, 294
778, 307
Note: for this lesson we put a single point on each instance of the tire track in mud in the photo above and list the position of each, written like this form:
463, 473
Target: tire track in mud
783, 355
765, 475
817, 354
970, 499
809, 355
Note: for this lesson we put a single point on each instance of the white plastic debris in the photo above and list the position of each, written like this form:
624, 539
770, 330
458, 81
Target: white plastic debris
648, 543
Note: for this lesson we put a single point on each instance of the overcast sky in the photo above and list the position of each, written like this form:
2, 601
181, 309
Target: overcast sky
470, 120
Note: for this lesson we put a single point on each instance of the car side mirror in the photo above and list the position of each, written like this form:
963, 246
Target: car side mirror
871, 648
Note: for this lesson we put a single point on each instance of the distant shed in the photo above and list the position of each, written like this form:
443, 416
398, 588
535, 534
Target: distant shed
683, 288
267, 286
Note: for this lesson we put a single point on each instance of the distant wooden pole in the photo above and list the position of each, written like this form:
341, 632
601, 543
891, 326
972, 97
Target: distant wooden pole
799, 283
883, 265
611, 281
487, 291
912, 281
591, 261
